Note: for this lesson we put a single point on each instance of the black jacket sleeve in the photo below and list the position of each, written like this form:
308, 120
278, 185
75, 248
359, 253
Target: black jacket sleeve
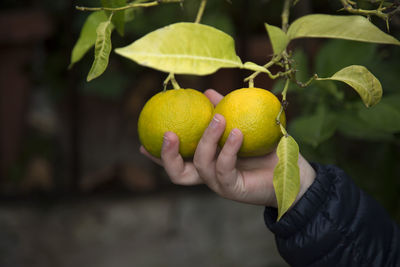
336, 224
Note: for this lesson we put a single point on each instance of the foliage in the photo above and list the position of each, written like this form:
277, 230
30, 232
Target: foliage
196, 49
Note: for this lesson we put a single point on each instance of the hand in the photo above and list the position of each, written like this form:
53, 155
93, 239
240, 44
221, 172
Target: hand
247, 180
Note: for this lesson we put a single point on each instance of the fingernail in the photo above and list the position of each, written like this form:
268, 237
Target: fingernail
214, 122
232, 135
165, 142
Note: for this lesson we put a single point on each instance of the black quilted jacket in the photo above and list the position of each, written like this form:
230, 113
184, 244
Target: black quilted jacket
335, 224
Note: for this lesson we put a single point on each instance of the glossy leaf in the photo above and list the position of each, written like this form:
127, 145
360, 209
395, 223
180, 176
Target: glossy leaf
384, 116
118, 18
351, 125
337, 54
286, 174
278, 38
102, 50
360, 79
87, 37
314, 129
355, 28
184, 48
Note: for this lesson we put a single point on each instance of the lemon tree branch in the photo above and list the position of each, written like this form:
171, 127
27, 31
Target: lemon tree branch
349, 6
200, 11
285, 15
131, 5
272, 62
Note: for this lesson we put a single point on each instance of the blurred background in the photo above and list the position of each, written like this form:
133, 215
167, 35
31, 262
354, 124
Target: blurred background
74, 189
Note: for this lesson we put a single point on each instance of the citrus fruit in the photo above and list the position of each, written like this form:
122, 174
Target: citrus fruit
253, 111
186, 112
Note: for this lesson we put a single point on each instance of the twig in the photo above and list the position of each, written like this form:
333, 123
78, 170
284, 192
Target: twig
307, 83
131, 5
285, 15
200, 11
283, 105
349, 6
273, 61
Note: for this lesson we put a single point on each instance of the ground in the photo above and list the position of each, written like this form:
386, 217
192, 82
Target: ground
181, 228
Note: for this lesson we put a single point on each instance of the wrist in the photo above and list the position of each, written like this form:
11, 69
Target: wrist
307, 177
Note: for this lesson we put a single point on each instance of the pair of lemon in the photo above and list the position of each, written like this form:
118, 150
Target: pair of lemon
188, 112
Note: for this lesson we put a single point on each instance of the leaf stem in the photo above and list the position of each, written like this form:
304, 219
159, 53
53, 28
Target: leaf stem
283, 130
131, 5
200, 11
307, 83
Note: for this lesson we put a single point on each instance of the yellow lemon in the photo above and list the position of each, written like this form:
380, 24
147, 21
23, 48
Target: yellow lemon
253, 111
185, 112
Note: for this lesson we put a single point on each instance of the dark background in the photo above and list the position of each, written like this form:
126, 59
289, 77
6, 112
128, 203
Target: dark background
70, 148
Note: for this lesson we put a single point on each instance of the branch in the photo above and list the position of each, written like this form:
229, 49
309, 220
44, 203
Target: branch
285, 15
200, 11
283, 106
349, 6
131, 5
273, 61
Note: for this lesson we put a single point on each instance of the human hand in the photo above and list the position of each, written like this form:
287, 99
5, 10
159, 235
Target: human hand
247, 180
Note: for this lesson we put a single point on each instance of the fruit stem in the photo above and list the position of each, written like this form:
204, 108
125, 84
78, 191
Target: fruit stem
251, 83
171, 78
200, 11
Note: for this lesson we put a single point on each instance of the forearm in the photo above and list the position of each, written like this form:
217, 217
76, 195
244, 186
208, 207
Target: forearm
336, 224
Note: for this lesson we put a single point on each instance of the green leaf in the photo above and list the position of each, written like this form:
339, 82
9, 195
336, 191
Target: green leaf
286, 174
337, 54
184, 48
118, 18
355, 28
360, 79
87, 37
351, 125
384, 117
301, 63
314, 129
102, 50
278, 38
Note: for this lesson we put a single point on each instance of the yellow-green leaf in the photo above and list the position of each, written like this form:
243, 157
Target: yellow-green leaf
87, 37
254, 67
118, 18
286, 174
355, 28
102, 50
360, 79
278, 38
184, 48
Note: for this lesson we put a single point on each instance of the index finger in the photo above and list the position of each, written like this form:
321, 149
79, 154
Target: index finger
214, 96
180, 172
